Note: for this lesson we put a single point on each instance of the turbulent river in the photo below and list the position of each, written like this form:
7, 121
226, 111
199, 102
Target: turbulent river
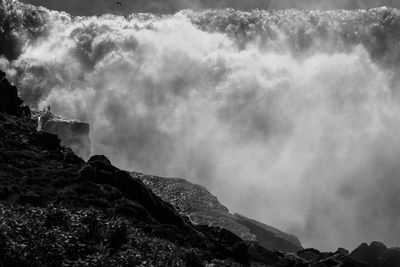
290, 117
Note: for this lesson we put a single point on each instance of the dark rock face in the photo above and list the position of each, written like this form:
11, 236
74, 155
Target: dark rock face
73, 134
202, 207
46, 140
269, 237
133, 189
377, 255
9, 100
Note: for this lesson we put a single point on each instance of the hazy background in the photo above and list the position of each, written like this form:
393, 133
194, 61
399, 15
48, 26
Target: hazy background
288, 117
96, 7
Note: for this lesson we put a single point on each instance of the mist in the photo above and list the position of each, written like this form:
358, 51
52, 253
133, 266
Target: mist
289, 117
99, 7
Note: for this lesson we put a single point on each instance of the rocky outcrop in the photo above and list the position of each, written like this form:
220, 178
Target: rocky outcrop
202, 207
269, 237
73, 133
100, 171
376, 255
9, 100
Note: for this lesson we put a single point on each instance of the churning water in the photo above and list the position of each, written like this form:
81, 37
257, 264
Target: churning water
290, 117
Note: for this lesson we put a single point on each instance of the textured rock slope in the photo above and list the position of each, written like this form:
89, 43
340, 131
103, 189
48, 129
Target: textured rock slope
202, 207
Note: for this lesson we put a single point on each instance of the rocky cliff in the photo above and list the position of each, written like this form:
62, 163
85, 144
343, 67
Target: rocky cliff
202, 207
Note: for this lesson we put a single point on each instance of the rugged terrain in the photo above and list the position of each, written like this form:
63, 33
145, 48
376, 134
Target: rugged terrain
58, 210
202, 207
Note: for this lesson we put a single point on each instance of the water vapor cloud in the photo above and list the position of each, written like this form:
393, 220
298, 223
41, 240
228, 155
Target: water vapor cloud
290, 117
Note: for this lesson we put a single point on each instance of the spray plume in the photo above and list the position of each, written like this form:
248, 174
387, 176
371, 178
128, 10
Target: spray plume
290, 117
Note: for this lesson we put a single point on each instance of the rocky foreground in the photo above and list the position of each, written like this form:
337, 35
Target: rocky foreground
58, 210
202, 208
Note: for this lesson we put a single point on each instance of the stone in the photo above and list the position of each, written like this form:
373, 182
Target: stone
9, 100
46, 140
99, 158
369, 254
197, 203
72, 133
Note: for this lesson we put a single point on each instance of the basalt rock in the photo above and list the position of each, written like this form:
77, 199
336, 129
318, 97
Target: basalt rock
9, 100
376, 254
46, 140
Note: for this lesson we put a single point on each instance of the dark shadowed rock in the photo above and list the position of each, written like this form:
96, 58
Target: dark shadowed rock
376, 255
31, 199
73, 133
99, 159
135, 190
71, 157
342, 251
132, 210
46, 140
310, 254
9, 100
369, 253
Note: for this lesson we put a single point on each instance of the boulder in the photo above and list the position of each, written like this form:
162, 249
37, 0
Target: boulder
270, 237
73, 133
310, 254
45, 140
376, 255
99, 159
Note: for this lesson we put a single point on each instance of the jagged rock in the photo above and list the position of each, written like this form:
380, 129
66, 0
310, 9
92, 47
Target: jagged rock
99, 158
73, 133
376, 255
86, 171
4, 193
46, 140
135, 190
369, 253
9, 100
310, 254
193, 259
270, 237
202, 207
342, 251
71, 157
132, 210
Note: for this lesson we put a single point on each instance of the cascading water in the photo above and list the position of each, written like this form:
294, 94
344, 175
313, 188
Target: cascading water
290, 117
